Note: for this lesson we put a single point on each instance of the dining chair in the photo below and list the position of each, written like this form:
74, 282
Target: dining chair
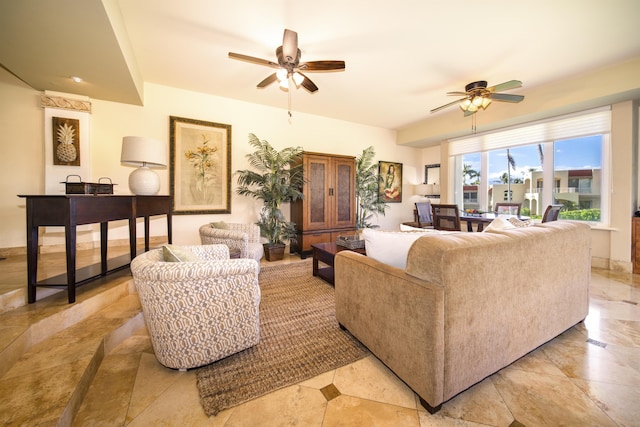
421, 216
507, 208
445, 217
551, 213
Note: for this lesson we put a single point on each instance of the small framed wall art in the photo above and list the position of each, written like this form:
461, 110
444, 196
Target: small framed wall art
390, 177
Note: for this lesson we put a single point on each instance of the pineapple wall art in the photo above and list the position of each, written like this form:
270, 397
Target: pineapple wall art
66, 141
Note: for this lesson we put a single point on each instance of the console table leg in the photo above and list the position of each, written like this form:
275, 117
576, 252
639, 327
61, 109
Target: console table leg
32, 262
70, 237
104, 228
146, 233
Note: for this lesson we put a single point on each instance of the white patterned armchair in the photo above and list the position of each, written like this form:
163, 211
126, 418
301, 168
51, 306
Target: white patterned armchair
200, 311
237, 236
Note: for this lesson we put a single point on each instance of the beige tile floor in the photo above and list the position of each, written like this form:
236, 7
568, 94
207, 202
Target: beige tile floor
588, 376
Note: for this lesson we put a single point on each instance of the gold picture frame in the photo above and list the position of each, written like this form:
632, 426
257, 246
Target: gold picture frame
66, 141
390, 182
200, 166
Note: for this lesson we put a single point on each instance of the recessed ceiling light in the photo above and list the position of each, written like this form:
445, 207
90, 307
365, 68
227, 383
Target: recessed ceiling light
76, 79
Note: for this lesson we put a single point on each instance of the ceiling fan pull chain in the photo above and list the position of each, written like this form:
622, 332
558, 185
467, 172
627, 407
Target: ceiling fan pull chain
290, 115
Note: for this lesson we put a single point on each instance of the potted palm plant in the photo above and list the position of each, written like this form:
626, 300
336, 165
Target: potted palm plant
275, 177
367, 187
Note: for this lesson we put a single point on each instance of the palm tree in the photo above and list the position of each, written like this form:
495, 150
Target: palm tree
276, 177
469, 174
511, 164
368, 202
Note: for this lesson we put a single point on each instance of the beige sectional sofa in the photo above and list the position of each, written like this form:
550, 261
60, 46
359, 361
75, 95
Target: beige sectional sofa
467, 304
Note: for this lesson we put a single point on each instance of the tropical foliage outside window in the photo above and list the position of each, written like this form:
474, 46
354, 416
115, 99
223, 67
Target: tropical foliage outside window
517, 174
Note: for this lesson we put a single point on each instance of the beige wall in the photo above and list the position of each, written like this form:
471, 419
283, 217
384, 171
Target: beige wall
22, 142
22, 160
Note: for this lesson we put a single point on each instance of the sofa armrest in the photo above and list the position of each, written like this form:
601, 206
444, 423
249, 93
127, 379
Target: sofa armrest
397, 316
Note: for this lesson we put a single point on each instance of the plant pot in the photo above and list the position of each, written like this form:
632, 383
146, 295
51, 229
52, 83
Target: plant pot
273, 252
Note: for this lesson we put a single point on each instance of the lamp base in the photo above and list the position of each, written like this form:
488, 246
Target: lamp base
144, 182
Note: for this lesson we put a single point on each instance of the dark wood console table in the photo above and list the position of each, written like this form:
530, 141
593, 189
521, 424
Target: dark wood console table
72, 210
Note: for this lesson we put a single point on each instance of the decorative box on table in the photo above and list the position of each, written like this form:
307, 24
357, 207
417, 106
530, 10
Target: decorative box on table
79, 187
350, 242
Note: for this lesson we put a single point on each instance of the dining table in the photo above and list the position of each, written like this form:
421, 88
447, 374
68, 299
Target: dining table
480, 219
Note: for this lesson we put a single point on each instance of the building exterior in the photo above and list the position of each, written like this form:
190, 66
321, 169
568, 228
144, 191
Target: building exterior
575, 188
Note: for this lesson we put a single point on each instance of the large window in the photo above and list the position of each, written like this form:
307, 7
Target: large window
558, 161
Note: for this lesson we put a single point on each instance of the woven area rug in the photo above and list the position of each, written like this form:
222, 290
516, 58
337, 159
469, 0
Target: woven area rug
299, 339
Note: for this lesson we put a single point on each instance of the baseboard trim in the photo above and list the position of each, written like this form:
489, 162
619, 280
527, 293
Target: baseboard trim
46, 249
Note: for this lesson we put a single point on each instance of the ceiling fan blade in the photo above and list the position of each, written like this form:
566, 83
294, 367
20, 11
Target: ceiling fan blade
308, 84
290, 45
505, 97
449, 104
511, 84
468, 113
253, 60
266, 82
458, 93
322, 65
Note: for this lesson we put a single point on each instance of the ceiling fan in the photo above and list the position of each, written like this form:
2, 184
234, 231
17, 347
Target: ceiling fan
477, 95
289, 65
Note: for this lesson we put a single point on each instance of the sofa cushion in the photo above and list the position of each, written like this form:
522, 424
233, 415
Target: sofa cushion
173, 253
391, 247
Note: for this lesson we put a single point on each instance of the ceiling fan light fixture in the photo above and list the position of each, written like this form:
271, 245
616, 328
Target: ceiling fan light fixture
464, 105
485, 102
284, 84
298, 78
282, 75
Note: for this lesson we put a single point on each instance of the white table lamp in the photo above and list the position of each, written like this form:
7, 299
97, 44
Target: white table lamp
146, 153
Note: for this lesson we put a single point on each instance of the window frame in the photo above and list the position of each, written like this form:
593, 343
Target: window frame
593, 122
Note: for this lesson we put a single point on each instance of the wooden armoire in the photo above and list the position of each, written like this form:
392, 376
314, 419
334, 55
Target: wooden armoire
328, 209
635, 244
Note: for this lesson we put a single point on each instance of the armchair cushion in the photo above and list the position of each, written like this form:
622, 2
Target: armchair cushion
221, 225
172, 253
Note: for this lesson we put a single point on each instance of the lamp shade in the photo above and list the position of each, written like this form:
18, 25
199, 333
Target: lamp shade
138, 151
427, 189
422, 189
146, 153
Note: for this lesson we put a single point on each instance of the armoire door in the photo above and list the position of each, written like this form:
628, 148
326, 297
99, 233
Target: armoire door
317, 203
343, 193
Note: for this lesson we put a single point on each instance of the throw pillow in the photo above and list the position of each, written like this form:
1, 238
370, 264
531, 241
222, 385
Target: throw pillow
520, 223
221, 225
173, 253
499, 224
391, 247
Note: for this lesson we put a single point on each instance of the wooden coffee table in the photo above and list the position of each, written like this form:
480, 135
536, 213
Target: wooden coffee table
326, 253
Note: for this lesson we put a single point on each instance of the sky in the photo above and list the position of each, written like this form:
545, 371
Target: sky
578, 153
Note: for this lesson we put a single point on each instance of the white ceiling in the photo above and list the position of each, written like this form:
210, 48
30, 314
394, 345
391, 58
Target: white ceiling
401, 56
